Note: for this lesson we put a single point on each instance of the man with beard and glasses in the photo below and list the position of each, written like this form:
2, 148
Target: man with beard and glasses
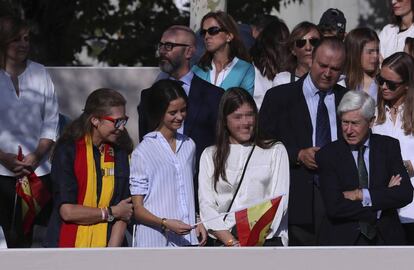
176, 47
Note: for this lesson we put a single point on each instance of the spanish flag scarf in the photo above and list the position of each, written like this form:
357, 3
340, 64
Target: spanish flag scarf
74, 235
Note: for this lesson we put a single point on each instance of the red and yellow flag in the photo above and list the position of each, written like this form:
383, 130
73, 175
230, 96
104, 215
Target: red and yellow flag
253, 223
34, 196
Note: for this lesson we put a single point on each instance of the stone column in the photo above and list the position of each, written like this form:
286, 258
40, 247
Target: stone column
198, 8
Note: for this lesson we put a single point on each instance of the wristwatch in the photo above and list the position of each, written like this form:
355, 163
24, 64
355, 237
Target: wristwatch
110, 215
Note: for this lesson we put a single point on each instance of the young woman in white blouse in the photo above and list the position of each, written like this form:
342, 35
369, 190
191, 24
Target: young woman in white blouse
161, 174
395, 117
221, 167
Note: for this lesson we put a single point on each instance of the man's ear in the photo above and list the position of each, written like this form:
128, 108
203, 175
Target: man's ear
189, 52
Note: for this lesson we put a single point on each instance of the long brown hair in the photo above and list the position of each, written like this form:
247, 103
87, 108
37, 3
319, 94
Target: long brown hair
397, 20
270, 51
355, 42
402, 64
237, 48
98, 104
232, 99
10, 29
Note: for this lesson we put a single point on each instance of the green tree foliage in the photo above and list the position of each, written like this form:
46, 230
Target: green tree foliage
123, 32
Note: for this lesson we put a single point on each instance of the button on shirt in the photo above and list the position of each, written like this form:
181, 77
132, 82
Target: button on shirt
165, 179
27, 118
312, 98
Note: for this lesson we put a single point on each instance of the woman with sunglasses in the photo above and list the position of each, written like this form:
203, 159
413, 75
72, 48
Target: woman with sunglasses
90, 173
162, 171
28, 121
240, 170
392, 36
269, 54
362, 61
303, 39
225, 63
395, 118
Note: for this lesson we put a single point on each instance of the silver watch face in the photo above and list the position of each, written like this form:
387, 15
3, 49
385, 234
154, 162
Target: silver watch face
110, 218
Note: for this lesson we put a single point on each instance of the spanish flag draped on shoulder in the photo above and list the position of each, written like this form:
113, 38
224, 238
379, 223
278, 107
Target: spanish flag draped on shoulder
253, 223
34, 196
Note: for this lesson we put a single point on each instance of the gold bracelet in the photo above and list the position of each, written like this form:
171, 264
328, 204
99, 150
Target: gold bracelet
163, 224
230, 243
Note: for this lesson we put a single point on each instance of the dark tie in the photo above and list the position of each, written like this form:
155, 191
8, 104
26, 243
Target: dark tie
323, 128
366, 229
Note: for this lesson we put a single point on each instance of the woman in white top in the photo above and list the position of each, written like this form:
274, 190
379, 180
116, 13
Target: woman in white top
161, 174
395, 118
28, 119
221, 166
303, 39
270, 54
392, 36
362, 61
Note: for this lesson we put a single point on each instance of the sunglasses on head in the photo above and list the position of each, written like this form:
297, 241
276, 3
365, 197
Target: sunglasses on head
212, 31
169, 46
117, 122
391, 85
299, 43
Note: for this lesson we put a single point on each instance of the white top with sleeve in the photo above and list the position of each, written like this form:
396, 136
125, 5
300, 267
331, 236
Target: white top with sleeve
392, 40
165, 179
407, 151
261, 85
32, 115
267, 176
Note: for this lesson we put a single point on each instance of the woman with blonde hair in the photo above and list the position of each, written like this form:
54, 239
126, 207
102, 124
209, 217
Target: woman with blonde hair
395, 118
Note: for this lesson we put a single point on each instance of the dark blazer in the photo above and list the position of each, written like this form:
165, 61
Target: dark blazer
338, 173
284, 115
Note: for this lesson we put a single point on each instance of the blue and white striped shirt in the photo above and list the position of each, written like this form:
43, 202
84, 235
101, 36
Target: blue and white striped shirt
166, 180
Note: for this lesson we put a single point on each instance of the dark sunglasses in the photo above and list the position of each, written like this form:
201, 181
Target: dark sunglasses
299, 43
390, 84
117, 122
212, 31
169, 46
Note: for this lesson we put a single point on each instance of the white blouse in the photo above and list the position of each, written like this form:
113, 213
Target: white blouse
407, 151
266, 177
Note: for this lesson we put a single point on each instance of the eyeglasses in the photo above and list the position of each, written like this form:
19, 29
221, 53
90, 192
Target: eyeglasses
118, 123
212, 31
390, 84
299, 43
169, 46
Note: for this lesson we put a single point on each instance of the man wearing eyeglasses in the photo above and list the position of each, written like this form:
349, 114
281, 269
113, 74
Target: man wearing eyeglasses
362, 180
176, 48
302, 115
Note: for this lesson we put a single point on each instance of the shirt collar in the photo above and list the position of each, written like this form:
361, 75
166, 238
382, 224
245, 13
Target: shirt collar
310, 89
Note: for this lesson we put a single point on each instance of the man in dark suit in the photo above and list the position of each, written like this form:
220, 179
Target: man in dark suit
362, 180
177, 46
302, 115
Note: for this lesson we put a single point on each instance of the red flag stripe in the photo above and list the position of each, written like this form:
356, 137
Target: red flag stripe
68, 231
242, 225
262, 222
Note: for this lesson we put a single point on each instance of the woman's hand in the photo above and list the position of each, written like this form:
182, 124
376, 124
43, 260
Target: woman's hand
201, 233
123, 210
177, 226
409, 167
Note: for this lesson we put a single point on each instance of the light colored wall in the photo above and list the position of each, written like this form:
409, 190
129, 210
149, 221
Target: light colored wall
320, 258
74, 84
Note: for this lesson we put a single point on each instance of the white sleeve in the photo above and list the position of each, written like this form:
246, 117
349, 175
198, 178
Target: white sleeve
138, 178
207, 202
50, 122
